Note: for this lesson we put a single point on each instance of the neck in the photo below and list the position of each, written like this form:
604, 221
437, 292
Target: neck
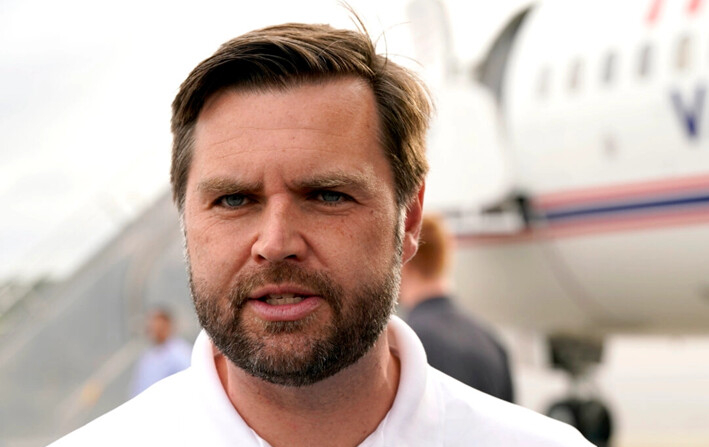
340, 410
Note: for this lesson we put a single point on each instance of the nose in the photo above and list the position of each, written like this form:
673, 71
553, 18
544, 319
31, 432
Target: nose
279, 234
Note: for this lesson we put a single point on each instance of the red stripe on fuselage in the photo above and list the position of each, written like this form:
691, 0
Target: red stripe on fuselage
585, 196
641, 222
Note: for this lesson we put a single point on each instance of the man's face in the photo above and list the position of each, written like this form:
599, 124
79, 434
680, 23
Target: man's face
293, 235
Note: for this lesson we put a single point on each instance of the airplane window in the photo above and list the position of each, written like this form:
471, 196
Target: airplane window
575, 74
543, 82
609, 67
684, 50
645, 62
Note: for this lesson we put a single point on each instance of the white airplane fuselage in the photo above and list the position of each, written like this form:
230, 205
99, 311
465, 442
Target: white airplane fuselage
604, 118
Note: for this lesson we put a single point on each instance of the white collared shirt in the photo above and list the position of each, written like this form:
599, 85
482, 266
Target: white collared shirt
191, 408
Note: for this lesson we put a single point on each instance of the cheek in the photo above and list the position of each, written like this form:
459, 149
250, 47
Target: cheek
197, 241
370, 244
195, 250
383, 228
214, 252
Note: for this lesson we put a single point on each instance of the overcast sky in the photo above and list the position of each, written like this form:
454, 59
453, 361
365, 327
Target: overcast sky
85, 96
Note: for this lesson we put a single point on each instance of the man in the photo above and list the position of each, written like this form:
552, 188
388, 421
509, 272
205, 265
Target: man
167, 354
298, 170
455, 343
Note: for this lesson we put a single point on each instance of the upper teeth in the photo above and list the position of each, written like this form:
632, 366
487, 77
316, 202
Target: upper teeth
285, 298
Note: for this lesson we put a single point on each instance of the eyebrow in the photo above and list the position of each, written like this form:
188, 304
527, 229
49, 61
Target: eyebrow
221, 186
356, 181
352, 180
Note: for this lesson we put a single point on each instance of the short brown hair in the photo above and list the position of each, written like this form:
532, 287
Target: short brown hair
433, 256
292, 54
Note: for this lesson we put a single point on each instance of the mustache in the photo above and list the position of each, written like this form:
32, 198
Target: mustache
285, 272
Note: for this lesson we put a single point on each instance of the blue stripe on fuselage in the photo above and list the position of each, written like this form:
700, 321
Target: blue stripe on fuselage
616, 209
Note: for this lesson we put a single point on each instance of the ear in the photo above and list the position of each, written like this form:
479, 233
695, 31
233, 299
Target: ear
412, 225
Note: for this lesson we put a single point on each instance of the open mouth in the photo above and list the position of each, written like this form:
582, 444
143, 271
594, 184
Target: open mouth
284, 303
281, 299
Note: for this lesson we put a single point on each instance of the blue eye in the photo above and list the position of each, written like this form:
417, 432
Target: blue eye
233, 200
331, 196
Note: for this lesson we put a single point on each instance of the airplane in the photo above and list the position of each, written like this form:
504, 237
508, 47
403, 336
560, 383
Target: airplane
598, 223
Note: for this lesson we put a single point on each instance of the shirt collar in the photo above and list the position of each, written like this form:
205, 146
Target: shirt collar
415, 414
215, 399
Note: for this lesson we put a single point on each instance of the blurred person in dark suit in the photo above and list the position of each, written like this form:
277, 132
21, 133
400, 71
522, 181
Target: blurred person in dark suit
455, 343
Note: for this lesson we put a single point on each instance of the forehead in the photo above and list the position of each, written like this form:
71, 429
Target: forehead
311, 123
330, 100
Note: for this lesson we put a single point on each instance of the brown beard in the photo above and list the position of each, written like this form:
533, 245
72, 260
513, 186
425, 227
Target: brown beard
357, 321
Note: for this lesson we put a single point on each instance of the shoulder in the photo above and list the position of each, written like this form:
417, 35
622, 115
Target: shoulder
439, 315
475, 418
152, 417
432, 408
186, 408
